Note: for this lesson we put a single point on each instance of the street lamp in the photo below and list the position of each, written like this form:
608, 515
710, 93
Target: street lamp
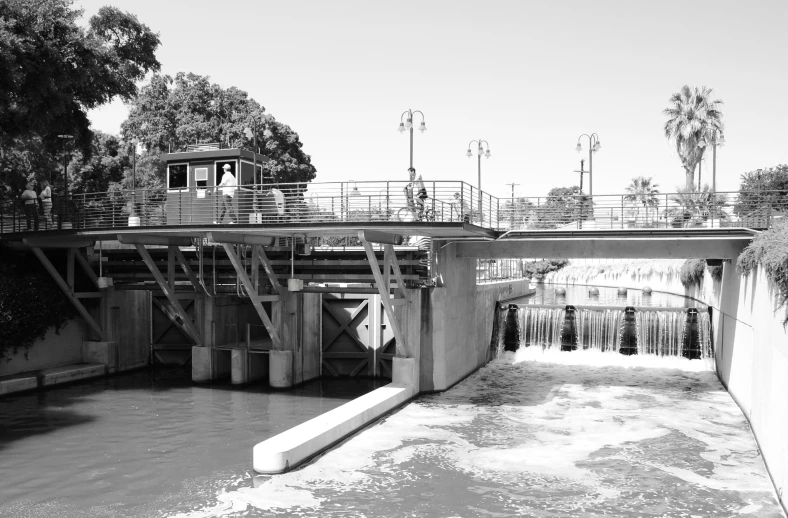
593, 146
66, 139
408, 125
716, 137
479, 152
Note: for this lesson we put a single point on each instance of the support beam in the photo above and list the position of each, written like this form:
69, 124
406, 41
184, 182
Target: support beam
152, 239
397, 272
269, 270
257, 300
240, 239
83, 262
188, 325
188, 271
172, 318
69, 293
70, 269
626, 248
375, 236
171, 267
385, 296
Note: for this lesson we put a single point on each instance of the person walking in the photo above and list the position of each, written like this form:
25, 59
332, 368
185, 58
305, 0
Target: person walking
28, 198
228, 186
46, 203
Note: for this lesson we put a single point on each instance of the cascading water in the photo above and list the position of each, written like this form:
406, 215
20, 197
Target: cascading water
628, 331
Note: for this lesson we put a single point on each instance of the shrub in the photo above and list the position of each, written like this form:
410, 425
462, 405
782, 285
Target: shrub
770, 250
544, 266
715, 272
691, 272
30, 303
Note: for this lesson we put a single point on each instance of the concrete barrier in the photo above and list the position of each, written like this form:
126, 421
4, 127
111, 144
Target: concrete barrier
7, 386
292, 447
58, 375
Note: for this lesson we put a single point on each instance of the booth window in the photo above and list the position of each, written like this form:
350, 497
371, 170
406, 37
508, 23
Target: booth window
177, 176
201, 177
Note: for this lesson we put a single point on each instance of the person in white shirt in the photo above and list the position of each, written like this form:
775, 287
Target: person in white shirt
28, 198
228, 186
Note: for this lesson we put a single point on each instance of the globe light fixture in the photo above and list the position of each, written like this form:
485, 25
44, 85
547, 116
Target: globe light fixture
406, 123
479, 153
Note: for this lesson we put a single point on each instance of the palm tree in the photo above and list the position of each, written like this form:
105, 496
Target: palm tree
694, 208
642, 191
692, 117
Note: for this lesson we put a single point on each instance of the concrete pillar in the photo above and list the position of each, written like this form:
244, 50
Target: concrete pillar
280, 371
246, 367
202, 364
209, 364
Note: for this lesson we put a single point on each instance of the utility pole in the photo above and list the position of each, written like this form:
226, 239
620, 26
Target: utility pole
581, 171
512, 184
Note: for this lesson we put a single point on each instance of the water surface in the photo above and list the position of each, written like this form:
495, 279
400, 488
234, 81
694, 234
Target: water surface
580, 434
146, 443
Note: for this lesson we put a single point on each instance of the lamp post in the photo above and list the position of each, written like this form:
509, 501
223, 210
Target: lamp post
479, 152
716, 137
408, 125
593, 146
66, 139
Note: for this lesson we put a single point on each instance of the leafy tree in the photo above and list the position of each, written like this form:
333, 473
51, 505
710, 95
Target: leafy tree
693, 116
52, 70
642, 192
763, 189
108, 160
23, 159
171, 112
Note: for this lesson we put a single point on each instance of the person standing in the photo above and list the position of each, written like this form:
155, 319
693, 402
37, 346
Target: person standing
46, 203
28, 198
228, 186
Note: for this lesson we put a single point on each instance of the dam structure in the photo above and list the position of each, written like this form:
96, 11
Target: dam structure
354, 279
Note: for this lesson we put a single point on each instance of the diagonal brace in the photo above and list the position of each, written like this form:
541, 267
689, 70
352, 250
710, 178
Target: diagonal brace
69, 293
385, 298
188, 325
257, 300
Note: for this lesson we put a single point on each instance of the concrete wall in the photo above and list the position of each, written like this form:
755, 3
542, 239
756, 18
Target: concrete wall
458, 336
752, 361
54, 350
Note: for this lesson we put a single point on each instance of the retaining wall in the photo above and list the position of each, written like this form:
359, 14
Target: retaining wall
54, 350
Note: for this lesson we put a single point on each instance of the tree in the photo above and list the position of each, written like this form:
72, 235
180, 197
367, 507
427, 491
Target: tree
693, 116
171, 112
642, 192
52, 71
763, 189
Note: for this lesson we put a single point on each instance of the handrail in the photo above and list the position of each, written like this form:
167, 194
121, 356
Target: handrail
375, 201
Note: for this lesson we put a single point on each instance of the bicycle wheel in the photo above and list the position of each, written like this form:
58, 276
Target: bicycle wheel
405, 214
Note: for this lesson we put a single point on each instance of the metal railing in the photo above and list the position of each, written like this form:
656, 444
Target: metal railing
498, 270
376, 201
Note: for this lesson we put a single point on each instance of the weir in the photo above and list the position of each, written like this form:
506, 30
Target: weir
629, 330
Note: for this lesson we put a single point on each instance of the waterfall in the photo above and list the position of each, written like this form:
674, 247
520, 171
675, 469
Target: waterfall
626, 331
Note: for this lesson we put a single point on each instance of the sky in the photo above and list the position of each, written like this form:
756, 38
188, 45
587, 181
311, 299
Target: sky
528, 77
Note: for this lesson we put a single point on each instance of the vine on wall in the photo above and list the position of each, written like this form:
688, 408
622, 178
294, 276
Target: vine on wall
30, 303
691, 272
769, 249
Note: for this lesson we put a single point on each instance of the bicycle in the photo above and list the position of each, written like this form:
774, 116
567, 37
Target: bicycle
407, 214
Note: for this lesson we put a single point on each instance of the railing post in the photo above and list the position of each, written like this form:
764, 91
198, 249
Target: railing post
387, 200
622, 211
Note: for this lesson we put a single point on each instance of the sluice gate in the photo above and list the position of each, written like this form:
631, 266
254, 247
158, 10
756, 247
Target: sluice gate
684, 332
